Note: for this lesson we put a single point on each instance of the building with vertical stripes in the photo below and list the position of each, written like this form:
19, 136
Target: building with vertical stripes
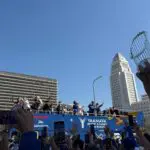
14, 85
123, 86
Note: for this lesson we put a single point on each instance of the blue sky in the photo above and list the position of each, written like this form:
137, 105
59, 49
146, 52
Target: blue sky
73, 41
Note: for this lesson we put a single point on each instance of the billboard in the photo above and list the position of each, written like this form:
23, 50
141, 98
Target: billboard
81, 124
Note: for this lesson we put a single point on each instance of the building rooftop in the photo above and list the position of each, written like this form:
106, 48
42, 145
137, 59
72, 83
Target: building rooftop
25, 75
119, 57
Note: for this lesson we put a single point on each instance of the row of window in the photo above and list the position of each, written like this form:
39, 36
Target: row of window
10, 99
27, 78
20, 91
28, 83
30, 98
5, 81
9, 103
32, 90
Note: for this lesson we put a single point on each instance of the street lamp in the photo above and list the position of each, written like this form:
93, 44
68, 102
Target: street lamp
99, 77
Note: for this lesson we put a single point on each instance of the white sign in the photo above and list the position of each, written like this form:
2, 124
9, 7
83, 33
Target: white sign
82, 121
98, 123
40, 126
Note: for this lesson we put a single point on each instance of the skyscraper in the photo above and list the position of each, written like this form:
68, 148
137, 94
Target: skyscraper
123, 88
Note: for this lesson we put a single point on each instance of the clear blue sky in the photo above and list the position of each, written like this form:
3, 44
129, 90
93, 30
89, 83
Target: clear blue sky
73, 41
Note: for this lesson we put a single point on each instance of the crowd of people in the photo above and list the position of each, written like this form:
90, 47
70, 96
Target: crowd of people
25, 138
47, 107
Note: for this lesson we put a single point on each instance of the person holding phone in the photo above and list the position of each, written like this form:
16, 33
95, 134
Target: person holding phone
24, 123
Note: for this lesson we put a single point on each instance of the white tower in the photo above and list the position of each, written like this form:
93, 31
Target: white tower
123, 87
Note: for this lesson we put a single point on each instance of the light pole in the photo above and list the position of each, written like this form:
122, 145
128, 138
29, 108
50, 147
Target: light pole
99, 77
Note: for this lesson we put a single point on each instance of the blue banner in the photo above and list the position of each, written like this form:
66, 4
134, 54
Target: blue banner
82, 123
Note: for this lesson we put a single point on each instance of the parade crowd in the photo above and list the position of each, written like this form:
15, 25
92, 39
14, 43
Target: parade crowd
75, 109
25, 138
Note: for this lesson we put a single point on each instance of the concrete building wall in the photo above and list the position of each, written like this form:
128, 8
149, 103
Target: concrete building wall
14, 85
144, 106
123, 87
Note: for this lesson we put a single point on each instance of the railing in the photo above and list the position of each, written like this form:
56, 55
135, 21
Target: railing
78, 114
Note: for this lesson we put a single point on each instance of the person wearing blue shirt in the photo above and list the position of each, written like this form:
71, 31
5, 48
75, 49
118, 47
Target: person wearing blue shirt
91, 108
129, 139
75, 107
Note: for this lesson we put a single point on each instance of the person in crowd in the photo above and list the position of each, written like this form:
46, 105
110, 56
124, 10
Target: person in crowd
75, 107
24, 123
44, 138
81, 110
111, 111
49, 103
104, 112
14, 141
15, 101
29, 139
59, 108
22, 103
129, 139
98, 108
78, 144
34, 106
46, 106
142, 139
38, 103
121, 113
70, 110
65, 109
17, 104
91, 108
114, 111
4, 140
26, 104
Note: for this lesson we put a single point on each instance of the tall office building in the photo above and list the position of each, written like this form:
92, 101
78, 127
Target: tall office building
122, 82
14, 85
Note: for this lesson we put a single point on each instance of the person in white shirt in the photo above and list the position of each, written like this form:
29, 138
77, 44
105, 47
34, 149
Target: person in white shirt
39, 100
26, 104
